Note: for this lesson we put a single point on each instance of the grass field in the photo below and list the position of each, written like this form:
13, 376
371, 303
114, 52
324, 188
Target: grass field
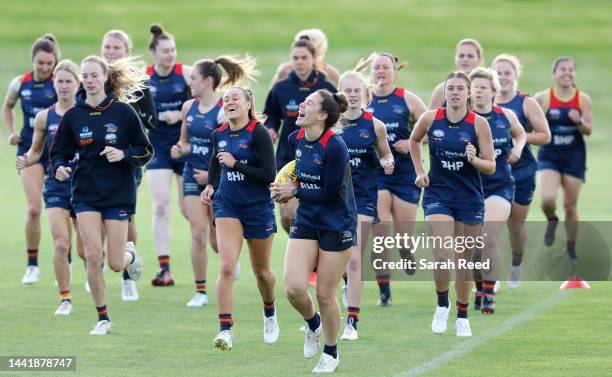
536, 331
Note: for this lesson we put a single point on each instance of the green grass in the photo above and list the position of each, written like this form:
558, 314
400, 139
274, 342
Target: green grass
159, 336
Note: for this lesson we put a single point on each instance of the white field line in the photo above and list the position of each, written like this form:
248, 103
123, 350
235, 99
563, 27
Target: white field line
475, 341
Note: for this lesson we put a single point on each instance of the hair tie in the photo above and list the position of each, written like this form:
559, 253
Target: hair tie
336, 98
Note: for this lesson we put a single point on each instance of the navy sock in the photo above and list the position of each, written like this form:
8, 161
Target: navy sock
269, 309
225, 321
353, 316
126, 276
443, 298
314, 322
331, 350
32, 257
102, 313
462, 310
384, 286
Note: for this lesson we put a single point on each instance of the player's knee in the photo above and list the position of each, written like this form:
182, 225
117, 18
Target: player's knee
227, 270
33, 211
263, 275
571, 211
116, 265
162, 208
354, 265
294, 291
198, 235
325, 296
62, 246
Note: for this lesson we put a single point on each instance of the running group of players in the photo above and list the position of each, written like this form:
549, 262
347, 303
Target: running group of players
356, 141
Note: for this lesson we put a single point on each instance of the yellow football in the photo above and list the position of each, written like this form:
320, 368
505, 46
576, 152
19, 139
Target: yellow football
287, 171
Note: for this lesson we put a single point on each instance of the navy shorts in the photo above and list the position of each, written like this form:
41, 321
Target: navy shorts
162, 160
329, 240
505, 191
190, 185
468, 216
524, 190
401, 185
576, 170
108, 213
257, 221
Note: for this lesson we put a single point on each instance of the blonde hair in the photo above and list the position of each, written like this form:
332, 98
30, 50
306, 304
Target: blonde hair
368, 87
486, 73
126, 77
365, 63
122, 36
68, 66
236, 70
476, 44
318, 39
513, 61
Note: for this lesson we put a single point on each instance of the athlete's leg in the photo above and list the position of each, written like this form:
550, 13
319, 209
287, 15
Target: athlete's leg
159, 183
212, 230
90, 225
230, 236
571, 191
464, 277
300, 259
260, 251
32, 179
382, 229
404, 216
331, 265
353, 270
132, 231
441, 227
116, 238
550, 180
518, 231
497, 211
59, 222
197, 213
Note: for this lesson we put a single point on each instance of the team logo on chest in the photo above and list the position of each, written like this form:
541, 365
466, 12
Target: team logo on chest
298, 153
463, 136
178, 88
222, 144
437, 135
363, 133
52, 130
26, 93
111, 134
242, 143
397, 109
188, 120
292, 108
86, 136
316, 158
554, 113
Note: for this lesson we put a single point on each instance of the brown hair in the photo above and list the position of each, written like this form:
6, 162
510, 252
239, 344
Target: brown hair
464, 77
46, 43
305, 42
334, 104
158, 34
560, 60
236, 69
318, 39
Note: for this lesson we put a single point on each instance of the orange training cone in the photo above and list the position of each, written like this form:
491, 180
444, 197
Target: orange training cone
312, 280
574, 283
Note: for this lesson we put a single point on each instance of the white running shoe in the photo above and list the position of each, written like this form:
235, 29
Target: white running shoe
198, 300
135, 268
496, 287
304, 328
223, 340
311, 342
31, 275
128, 290
344, 297
440, 320
87, 288
327, 364
463, 327
271, 331
237, 272
516, 276
350, 333
65, 308
102, 328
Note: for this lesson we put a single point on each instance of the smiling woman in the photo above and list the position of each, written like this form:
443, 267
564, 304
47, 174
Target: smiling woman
35, 91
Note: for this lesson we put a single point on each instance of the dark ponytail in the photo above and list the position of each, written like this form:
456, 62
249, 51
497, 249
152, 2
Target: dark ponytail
334, 104
158, 34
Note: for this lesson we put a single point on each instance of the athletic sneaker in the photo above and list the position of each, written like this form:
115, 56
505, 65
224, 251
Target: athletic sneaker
350, 333
65, 308
440, 320
549, 235
384, 300
223, 340
271, 331
463, 327
344, 297
162, 279
237, 271
87, 288
198, 300
496, 286
128, 290
31, 275
102, 328
311, 342
327, 364
516, 275
134, 269
488, 304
